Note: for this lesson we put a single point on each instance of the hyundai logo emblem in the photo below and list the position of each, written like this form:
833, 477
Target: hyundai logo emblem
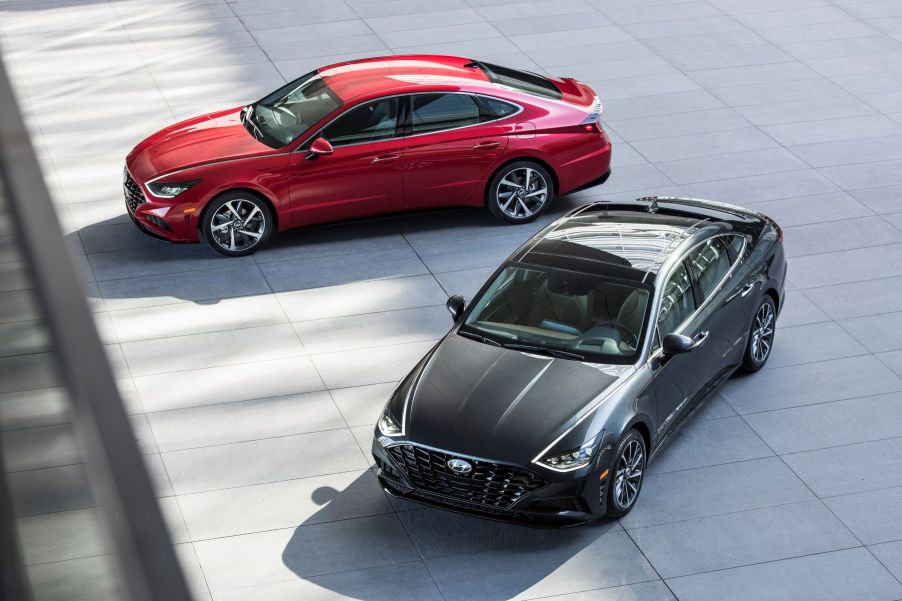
459, 466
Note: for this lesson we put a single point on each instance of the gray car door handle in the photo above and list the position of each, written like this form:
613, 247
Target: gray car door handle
747, 289
700, 338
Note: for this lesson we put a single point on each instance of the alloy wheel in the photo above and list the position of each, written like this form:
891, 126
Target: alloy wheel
238, 225
628, 477
763, 332
521, 193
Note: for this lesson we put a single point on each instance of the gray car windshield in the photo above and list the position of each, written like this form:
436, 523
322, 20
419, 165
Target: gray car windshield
286, 114
562, 313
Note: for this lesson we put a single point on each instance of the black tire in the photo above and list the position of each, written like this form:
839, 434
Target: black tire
514, 202
250, 227
618, 504
761, 336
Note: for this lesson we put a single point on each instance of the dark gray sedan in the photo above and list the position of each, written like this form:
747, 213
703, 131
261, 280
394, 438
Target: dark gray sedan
581, 357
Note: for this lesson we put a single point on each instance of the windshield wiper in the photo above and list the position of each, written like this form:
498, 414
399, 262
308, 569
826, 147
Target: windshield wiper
247, 120
541, 350
478, 337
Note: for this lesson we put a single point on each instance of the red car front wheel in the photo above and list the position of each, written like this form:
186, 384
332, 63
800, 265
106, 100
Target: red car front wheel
237, 224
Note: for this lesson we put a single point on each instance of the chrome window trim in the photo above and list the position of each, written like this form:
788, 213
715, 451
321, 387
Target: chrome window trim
671, 264
319, 131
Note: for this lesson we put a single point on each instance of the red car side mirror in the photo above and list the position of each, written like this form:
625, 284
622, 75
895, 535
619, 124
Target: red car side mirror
319, 146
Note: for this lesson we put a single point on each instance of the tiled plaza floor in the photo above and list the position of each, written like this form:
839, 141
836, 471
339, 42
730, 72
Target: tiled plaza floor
254, 383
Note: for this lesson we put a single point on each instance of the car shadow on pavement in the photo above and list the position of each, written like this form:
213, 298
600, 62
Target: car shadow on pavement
415, 552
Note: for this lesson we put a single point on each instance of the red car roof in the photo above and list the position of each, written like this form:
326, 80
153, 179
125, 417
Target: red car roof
371, 75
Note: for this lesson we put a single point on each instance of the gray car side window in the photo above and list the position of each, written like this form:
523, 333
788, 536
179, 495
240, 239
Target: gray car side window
677, 300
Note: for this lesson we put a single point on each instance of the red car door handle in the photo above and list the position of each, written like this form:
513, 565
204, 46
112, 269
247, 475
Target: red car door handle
486, 145
386, 158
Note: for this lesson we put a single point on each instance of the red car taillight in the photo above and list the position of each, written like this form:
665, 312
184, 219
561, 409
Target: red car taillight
592, 123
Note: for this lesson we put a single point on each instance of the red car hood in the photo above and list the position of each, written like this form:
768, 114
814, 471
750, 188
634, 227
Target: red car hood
208, 138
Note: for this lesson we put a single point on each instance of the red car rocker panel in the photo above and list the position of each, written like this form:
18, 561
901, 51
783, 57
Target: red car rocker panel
364, 138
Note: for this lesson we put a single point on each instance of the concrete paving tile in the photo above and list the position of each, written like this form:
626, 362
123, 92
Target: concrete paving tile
846, 266
671, 27
857, 65
853, 41
466, 282
60, 536
850, 151
799, 310
630, 87
786, 91
812, 343
232, 347
551, 58
455, 16
893, 360
660, 104
261, 461
726, 541
632, 179
890, 555
818, 208
445, 33
705, 144
451, 256
816, 109
509, 24
159, 260
761, 188
876, 332
868, 83
305, 243
196, 318
729, 57
362, 405
689, 494
48, 490
865, 466
753, 74
575, 37
404, 582
847, 301
286, 504
665, 12
851, 574
359, 298
268, 38
830, 424
42, 447
792, 16
281, 555
209, 285
370, 366
657, 127
654, 590
810, 383
730, 165
881, 200
848, 128
342, 269
710, 442
542, 570
502, 9
373, 329
245, 420
439, 534
212, 385
874, 516
713, 42
483, 47
81, 579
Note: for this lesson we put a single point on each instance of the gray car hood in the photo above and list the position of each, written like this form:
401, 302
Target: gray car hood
485, 401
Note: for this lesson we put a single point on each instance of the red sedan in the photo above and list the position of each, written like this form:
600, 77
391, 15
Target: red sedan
369, 137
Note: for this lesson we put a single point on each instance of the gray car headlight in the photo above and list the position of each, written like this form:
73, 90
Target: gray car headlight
169, 189
573, 459
387, 424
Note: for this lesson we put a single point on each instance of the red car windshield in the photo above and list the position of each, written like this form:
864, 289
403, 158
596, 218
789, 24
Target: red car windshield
286, 114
